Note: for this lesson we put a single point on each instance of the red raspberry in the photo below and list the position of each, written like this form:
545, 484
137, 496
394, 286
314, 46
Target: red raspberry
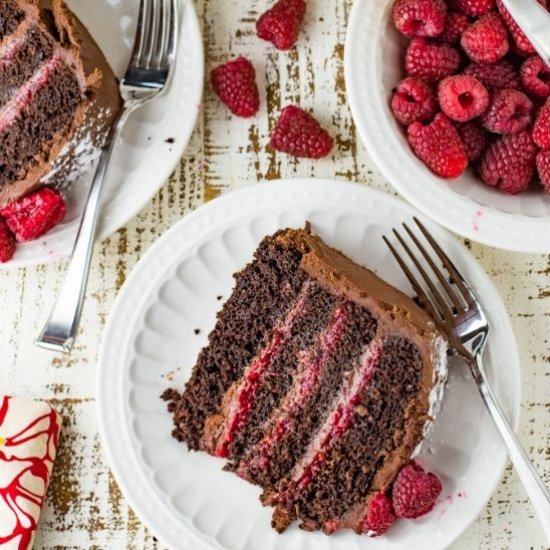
535, 76
462, 97
455, 24
380, 515
438, 145
298, 133
523, 46
415, 491
235, 84
430, 61
510, 111
474, 138
500, 75
541, 128
543, 167
419, 17
413, 101
486, 40
34, 215
7, 242
281, 24
474, 8
509, 163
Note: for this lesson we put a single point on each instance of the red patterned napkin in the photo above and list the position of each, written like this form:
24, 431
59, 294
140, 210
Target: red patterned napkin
29, 436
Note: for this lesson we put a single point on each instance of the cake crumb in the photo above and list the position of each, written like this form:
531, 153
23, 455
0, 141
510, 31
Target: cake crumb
197, 331
170, 140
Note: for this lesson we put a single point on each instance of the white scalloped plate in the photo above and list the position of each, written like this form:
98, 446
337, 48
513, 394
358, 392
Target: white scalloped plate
144, 159
373, 66
150, 344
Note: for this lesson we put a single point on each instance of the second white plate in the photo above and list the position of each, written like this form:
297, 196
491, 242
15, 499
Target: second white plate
163, 316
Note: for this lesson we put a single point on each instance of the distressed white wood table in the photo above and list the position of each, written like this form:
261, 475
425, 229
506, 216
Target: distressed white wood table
85, 508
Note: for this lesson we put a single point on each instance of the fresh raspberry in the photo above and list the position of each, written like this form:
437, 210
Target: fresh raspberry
523, 46
498, 76
438, 145
380, 515
462, 97
281, 24
415, 491
419, 17
413, 101
474, 8
34, 215
298, 133
430, 61
509, 163
541, 128
474, 139
535, 76
235, 84
486, 40
543, 168
7, 242
510, 111
455, 24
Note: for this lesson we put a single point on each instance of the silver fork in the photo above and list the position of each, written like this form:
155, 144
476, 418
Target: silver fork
146, 77
455, 308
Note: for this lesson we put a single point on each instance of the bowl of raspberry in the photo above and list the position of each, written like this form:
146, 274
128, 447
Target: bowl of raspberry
452, 103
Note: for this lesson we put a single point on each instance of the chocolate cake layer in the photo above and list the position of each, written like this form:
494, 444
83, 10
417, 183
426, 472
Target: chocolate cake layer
11, 17
23, 143
317, 383
376, 431
263, 293
21, 63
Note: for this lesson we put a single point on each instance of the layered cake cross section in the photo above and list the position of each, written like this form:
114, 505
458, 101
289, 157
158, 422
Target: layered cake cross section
318, 383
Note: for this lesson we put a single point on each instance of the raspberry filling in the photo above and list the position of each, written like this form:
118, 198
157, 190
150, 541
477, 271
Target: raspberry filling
314, 366
254, 377
337, 423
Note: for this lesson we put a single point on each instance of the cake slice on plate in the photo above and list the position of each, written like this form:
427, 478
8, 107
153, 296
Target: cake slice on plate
58, 97
318, 384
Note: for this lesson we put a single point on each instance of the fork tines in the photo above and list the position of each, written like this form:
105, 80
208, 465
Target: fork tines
435, 291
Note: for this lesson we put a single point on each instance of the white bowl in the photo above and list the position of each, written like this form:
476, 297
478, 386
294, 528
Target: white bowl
374, 56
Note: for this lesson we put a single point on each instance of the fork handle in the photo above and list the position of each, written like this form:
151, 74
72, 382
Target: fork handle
534, 486
60, 330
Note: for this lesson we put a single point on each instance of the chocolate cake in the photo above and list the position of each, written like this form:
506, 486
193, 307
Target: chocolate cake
318, 383
58, 96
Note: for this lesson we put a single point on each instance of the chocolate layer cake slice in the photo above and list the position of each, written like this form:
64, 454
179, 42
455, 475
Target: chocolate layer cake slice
317, 384
58, 96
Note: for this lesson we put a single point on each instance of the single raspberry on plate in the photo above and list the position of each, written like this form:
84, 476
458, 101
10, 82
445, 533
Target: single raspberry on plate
413, 101
486, 40
34, 215
509, 111
509, 163
7, 242
474, 8
474, 138
535, 76
430, 61
419, 17
415, 491
439, 146
543, 168
541, 128
523, 46
281, 24
235, 84
298, 133
380, 515
455, 24
498, 76
462, 97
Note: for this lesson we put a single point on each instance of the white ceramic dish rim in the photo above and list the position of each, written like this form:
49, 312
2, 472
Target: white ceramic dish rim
119, 470
514, 232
